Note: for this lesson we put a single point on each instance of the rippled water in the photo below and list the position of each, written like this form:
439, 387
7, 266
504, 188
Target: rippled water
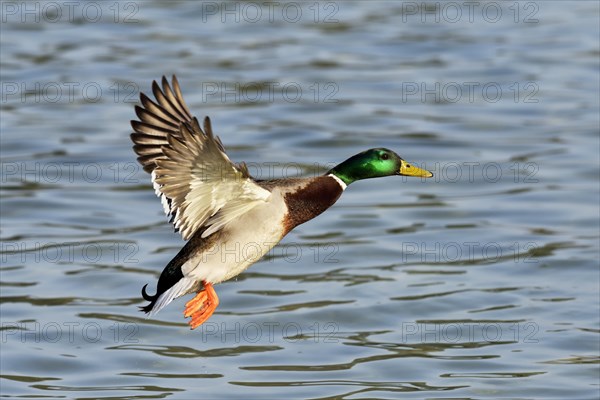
480, 283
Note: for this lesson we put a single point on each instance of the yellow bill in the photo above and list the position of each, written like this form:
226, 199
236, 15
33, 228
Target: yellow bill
408, 169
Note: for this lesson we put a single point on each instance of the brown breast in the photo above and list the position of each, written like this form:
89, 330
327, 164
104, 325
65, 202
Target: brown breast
311, 200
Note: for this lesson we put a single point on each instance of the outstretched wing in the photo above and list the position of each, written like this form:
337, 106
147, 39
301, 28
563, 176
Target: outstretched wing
198, 184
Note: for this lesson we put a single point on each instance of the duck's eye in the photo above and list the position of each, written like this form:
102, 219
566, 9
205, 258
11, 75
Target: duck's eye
385, 156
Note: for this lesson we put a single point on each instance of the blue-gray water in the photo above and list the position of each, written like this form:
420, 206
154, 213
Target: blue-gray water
480, 283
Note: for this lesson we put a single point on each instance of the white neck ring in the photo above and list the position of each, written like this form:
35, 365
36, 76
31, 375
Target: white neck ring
339, 181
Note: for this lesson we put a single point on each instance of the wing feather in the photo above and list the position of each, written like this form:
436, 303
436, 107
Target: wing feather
199, 186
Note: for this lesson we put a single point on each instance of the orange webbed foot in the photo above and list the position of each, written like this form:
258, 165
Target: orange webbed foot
201, 307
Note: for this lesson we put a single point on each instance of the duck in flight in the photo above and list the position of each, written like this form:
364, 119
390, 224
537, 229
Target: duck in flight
217, 206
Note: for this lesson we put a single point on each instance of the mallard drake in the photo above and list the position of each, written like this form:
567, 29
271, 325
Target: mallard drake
218, 207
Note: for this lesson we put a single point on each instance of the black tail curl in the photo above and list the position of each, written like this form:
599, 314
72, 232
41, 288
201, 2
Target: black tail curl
147, 297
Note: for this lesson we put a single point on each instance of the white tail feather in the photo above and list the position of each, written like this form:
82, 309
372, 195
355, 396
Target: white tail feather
184, 286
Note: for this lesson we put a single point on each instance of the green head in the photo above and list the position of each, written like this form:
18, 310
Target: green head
375, 163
